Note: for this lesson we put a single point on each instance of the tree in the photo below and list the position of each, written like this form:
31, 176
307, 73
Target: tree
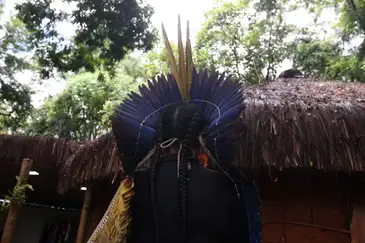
106, 31
15, 101
221, 38
351, 18
350, 26
155, 62
347, 67
313, 57
83, 109
275, 31
244, 39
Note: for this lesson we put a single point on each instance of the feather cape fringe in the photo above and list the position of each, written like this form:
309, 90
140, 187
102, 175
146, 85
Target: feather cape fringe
113, 227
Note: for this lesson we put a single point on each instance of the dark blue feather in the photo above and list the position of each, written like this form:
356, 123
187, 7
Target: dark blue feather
136, 119
252, 203
221, 101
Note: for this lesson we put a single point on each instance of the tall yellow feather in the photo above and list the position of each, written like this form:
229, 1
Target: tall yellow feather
184, 70
171, 57
113, 227
189, 57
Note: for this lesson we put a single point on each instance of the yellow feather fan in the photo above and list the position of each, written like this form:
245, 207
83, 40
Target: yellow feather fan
183, 71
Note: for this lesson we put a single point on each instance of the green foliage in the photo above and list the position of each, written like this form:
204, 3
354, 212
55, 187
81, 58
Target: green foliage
248, 38
106, 31
314, 57
274, 30
83, 109
221, 37
351, 18
156, 61
15, 102
349, 68
350, 25
244, 40
17, 195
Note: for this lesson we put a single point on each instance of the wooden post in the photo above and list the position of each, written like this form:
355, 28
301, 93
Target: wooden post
83, 218
14, 207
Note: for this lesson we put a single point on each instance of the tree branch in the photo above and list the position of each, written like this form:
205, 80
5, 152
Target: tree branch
353, 7
4, 114
4, 37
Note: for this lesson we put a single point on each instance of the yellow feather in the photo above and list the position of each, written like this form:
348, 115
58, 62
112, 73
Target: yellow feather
113, 227
170, 57
184, 71
189, 58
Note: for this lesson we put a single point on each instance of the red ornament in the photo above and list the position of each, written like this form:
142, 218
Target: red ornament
204, 159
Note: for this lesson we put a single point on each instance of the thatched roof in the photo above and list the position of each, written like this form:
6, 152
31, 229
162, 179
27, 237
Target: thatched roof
289, 124
94, 160
48, 154
45, 151
299, 123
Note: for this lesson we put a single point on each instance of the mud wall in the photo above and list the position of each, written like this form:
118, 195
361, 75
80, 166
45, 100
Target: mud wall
315, 209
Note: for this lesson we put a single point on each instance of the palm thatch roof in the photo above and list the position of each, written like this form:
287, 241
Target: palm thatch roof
294, 123
301, 123
92, 161
47, 153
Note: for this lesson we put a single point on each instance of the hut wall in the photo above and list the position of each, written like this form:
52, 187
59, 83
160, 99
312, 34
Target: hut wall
32, 221
322, 213
301, 205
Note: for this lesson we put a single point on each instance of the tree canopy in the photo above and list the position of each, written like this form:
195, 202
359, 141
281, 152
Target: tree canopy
82, 110
15, 97
244, 39
249, 38
105, 32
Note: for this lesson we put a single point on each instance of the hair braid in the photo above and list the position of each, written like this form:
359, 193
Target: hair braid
190, 137
152, 180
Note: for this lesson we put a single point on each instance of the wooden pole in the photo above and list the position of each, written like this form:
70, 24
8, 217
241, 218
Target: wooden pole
83, 218
14, 207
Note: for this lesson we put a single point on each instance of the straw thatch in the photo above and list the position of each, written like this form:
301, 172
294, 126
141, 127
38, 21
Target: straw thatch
289, 124
45, 151
48, 154
299, 123
94, 160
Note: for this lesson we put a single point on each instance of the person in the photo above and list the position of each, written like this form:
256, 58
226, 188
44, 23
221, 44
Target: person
167, 194
203, 209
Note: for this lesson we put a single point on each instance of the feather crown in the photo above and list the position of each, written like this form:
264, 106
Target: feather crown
218, 97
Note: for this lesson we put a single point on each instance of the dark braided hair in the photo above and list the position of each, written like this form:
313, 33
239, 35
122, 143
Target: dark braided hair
152, 181
193, 130
183, 122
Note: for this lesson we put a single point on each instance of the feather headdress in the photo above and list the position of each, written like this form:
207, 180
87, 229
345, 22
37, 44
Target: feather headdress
182, 71
219, 99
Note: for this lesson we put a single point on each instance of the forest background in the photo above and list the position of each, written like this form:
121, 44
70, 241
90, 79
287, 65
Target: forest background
65, 64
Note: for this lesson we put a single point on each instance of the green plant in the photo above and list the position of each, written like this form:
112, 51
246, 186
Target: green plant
17, 195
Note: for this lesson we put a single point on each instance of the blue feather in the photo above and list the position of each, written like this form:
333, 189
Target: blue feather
221, 100
136, 119
252, 203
